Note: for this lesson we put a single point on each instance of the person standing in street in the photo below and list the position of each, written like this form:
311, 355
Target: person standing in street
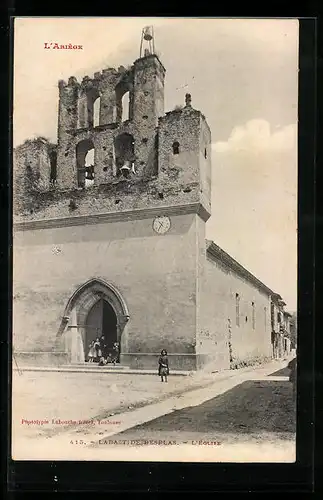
163, 367
116, 350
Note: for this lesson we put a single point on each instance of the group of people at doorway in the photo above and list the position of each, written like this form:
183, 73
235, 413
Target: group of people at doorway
99, 352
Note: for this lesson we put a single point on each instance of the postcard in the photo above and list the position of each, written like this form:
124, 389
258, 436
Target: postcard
154, 239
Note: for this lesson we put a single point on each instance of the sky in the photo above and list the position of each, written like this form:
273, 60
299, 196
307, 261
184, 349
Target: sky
243, 76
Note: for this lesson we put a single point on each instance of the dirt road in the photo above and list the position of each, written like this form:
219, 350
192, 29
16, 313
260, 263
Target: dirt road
248, 415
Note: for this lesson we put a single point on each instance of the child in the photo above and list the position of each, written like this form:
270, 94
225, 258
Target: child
163, 368
102, 361
91, 355
97, 349
115, 353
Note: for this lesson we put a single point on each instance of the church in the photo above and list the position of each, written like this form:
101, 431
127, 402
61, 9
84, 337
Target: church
109, 235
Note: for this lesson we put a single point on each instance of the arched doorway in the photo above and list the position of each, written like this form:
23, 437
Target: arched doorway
101, 321
96, 307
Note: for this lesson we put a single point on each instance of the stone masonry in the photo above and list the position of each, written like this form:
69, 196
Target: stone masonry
84, 231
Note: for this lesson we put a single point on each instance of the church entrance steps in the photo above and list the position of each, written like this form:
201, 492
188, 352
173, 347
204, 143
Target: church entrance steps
121, 369
95, 366
85, 368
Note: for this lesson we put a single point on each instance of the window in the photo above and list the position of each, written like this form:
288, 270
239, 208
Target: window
175, 147
237, 309
279, 317
125, 107
205, 153
253, 315
124, 154
123, 101
96, 112
85, 163
93, 103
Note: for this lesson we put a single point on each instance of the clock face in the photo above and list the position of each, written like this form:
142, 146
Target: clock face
161, 225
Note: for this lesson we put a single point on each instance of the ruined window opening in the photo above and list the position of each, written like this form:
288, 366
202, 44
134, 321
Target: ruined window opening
53, 167
237, 309
93, 107
175, 147
145, 117
253, 315
205, 153
85, 163
125, 107
122, 103
89, 168
124, 149
278, 317
96, 112
145, 140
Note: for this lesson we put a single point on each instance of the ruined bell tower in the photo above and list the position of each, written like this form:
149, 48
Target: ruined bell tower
122, 135
116, 210
116, 148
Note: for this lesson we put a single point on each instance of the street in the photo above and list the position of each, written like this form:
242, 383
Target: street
246, 415
256, 411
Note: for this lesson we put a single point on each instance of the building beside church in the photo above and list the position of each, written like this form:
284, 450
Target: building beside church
109, 235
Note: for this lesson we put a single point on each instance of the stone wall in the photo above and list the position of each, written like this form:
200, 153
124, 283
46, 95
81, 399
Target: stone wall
187, 128
31, 172
115, 197
145, 83
219, 335
155, 274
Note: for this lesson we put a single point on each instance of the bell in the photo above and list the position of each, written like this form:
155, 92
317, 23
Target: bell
147, 33
89, 173
125, 170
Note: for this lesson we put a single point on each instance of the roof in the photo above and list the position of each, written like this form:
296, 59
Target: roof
218, 254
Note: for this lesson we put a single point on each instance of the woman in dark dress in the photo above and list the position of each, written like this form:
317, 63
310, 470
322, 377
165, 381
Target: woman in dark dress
163, 368
116, 349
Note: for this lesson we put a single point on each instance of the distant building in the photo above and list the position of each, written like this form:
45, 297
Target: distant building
280, 326
109, 236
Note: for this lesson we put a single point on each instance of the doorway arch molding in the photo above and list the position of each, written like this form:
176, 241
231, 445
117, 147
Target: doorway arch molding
86, 295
